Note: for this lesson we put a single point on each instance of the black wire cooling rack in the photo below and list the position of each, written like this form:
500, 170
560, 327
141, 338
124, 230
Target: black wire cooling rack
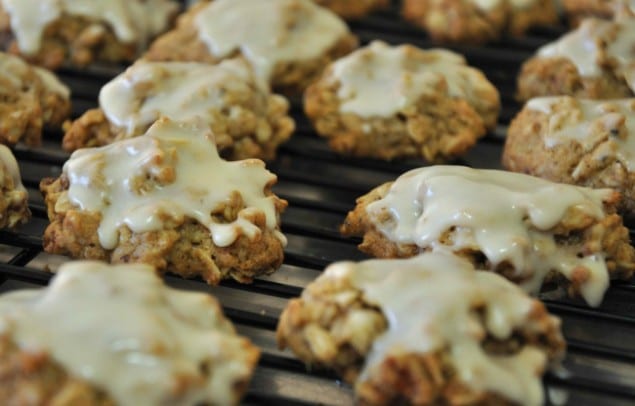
321, 187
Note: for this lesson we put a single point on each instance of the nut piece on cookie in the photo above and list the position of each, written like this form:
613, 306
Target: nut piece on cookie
352, 9
246, 118
167, 199
428, 330
14, 199
103, 335
287, 42
54, 32
392, 102
31, 99
528, 229
478, 21
578, 141
596, 60
578, 10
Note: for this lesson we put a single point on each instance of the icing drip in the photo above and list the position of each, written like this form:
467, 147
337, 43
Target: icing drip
596, 42
507, 216
589, 121
172, 172
446, 292
380, 80
270, 32
178, 90
132, 21
121, 329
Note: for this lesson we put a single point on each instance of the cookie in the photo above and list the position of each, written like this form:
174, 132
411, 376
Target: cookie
578, 141
14, 199
246, 118
596, 60
167, 199
394, 102
31, 99
54, 32
287, 42
106, 335
477, 21
528, 229
427, 330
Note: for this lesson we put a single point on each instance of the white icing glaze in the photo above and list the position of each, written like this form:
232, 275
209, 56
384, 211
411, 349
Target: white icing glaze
269, 32
492, 211
121, 329
14, 69
107, 180
178, 90
132, 21
589, 121
9, 161
380, 80
489, 5
430, 304
593, 42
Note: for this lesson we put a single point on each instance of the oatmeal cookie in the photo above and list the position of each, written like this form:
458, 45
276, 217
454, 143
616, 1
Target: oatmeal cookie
596, 60
578, 141
116, 335
54, 32
352, 9
392, 102
14, 199
528, 229
578, 10
31, 99
167, 199
246, 118
396, 330
476, 22
307, 37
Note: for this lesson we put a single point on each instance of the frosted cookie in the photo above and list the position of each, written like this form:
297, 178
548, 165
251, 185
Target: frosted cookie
584, 142
353, 8
31, 99
596, 60
287, 42
167, 199
478, 21
392, 102
428, 330
52, 32
578, 10
14, 199
530, 230
248, 121
116, 335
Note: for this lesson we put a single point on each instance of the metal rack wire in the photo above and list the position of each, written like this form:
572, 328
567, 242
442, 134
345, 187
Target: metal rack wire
321, 187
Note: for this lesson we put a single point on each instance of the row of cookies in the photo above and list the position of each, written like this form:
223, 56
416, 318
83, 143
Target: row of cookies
159, 168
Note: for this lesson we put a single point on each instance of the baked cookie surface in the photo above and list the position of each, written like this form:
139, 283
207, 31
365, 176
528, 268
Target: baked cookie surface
31, 99
353, 9
106, 335
247, 119
596, 60
396, 330
14, 198
287, 42
578, 141
167, 199
528, 229
392, 102
478, 21
80, 32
